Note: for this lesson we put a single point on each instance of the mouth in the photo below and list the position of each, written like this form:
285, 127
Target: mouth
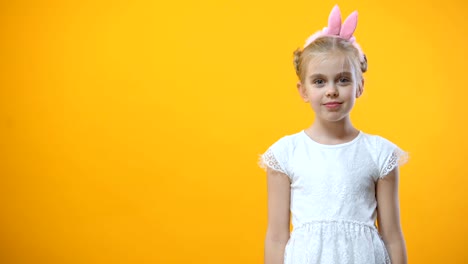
332, 103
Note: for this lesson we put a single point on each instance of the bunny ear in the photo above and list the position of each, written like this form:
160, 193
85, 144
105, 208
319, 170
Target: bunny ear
334, 21
349, 26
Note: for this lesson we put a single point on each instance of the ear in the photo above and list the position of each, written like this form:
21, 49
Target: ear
302, 91
360, 89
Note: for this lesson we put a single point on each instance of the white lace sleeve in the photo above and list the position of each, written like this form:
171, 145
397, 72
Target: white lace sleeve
397, 157
276, 156
269, 160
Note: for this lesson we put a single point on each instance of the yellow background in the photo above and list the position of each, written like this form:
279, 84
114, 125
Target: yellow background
130, 130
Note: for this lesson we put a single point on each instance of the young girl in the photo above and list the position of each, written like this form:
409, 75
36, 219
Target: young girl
334, 179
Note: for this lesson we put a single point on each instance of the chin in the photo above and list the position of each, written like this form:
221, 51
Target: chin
334, 118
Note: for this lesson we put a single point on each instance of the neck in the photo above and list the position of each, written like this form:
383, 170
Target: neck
341, 129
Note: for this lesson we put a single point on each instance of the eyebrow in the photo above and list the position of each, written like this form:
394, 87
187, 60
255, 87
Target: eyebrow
316, 75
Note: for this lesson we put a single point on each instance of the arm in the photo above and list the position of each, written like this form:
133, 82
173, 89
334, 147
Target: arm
277, 234
388, 217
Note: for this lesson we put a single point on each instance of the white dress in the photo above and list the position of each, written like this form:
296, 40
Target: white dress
333, 203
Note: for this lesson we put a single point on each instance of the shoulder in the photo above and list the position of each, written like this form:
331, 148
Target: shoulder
373, 138
288, 141
386, 154
377, 143
277, 156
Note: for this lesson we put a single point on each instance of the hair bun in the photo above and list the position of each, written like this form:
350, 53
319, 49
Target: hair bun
297, 60
364, 64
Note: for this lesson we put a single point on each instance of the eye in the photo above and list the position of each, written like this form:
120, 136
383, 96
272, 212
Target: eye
344, 80
318, 82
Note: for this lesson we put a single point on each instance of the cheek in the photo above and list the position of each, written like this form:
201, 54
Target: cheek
315, 97
350, 93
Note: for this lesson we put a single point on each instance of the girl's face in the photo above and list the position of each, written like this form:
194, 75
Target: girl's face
330, 87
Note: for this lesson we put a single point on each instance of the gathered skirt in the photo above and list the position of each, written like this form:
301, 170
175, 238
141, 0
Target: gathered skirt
335, 242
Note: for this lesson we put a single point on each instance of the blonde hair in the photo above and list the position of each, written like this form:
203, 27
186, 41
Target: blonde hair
323, 46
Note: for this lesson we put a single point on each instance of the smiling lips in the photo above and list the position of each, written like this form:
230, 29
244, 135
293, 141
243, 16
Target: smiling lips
332, 104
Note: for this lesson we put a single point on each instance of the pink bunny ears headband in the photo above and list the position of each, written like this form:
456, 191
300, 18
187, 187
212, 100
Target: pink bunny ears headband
335, 29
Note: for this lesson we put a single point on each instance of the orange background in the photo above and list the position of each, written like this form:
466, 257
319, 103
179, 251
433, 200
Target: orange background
130, 130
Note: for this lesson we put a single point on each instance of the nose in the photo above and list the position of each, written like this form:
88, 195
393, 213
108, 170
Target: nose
332, 91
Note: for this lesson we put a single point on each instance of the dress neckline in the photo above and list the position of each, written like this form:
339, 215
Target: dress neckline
356, 138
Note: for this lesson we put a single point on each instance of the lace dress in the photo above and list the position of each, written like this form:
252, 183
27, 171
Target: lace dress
333, 204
